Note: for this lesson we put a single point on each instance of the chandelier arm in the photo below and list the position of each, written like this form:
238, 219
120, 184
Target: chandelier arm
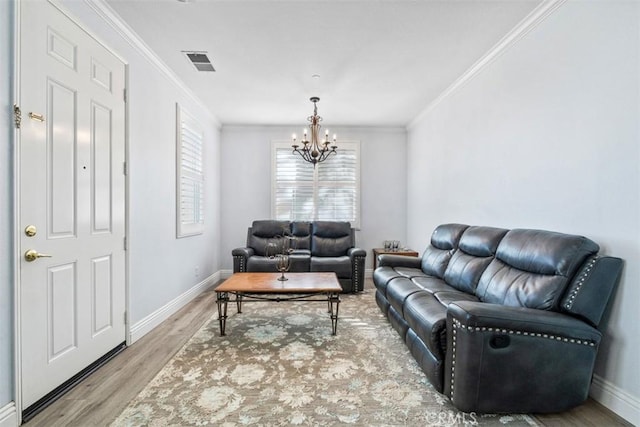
316, 150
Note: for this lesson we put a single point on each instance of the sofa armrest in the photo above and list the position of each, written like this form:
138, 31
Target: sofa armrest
592, 287
391, 260
354, 252
357, 256
512, 359
471, 314
240, 256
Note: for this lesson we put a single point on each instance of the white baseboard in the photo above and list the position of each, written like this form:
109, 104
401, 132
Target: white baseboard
616, 399
147, 324
8, 415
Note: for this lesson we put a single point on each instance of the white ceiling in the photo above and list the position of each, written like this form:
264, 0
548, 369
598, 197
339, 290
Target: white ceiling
380, 62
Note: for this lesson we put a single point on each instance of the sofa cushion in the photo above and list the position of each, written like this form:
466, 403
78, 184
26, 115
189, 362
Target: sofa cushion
427, 317
298, 263
431, 365
464, 271
532, 268
503, 284
263, 233
431, 284
301, 233
545, 252
444, 242
341, 265
270, 228
409, 272
398, 290
476, 249
447, 297
381, 278
330, 239
481, 241
261, 263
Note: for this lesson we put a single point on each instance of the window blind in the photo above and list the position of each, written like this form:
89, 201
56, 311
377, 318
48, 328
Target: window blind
330, 192
190, 186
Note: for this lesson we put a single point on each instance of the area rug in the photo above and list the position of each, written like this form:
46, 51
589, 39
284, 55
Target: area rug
279, 365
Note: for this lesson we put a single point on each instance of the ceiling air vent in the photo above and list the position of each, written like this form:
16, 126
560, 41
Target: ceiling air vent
200, 60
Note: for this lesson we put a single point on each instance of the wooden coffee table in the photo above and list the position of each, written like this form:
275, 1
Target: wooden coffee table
322, 287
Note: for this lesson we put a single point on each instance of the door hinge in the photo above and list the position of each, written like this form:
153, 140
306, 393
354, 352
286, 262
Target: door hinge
124, 168
124, 95
125, 243
17, 116
125, 317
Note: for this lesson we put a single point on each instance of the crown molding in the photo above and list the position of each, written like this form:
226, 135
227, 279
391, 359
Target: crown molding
109, 16
533, 19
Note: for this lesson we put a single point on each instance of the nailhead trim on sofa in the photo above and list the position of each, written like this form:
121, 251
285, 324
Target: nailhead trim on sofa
471, 329
241, 259
581, 280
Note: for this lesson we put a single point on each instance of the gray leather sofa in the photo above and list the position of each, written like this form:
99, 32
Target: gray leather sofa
501, 321
318, 246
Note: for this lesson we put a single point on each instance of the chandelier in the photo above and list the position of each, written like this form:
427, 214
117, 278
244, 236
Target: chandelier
315, 151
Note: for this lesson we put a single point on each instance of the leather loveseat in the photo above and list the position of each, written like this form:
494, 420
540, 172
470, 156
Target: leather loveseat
501, 321
318, 246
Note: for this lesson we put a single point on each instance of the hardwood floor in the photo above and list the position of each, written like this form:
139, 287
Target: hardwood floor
100, 398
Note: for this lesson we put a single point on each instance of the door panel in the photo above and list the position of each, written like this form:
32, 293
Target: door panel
72, 189
102, 295
62, 298
101, 170
61, 160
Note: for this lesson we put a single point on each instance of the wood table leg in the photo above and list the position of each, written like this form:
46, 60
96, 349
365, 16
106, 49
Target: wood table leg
222, 300
334, 305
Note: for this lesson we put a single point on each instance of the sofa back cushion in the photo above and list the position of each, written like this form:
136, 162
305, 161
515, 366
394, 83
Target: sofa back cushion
532, 268
331, 238
444, 242
265, 232
301, 233
476, 250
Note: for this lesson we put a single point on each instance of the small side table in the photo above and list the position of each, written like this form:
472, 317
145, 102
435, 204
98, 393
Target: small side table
380, 251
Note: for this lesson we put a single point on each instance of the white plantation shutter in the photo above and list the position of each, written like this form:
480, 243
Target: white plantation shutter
338, 187
330, 192
294, 186
190, 175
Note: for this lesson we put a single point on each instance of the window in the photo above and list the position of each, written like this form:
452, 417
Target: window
190, 175
330, 192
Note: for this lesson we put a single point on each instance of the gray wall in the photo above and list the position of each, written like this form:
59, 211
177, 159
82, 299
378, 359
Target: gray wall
547, 137
246, 186
161, 267
6, 204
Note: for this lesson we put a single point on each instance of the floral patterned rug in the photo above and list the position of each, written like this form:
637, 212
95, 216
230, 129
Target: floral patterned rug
279, 365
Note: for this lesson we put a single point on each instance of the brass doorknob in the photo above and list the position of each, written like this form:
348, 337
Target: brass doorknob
32, 255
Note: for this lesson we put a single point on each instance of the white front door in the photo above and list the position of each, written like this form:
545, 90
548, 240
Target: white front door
72, 196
